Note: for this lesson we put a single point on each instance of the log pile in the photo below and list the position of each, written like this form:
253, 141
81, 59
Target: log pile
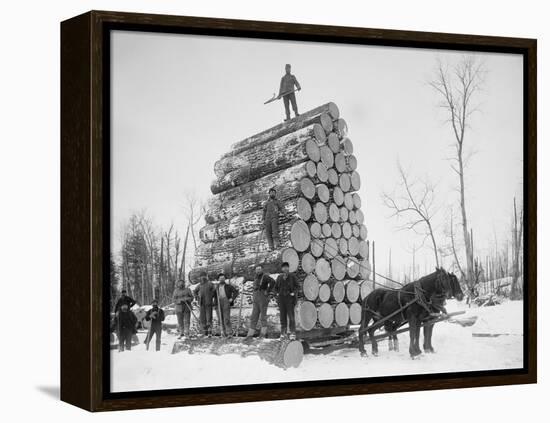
309, 160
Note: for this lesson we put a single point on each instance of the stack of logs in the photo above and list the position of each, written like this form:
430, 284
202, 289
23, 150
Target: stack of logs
309, 161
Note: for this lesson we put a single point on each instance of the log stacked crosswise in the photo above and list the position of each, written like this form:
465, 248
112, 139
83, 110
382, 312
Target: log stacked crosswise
309, 160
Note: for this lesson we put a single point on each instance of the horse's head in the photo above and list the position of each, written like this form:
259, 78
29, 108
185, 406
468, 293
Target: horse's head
455, 287
449, 285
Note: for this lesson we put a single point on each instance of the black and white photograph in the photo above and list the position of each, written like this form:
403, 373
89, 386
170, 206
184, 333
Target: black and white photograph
297, 211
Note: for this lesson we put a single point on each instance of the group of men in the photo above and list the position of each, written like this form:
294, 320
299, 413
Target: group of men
125, 322
221, 297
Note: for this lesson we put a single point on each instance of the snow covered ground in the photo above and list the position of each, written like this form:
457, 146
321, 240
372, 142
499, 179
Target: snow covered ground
456, 350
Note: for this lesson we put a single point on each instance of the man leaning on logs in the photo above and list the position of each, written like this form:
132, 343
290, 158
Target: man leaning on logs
285, 290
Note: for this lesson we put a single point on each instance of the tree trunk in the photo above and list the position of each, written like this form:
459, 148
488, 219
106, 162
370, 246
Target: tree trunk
278, 154
305, 119
296, 208
253, 195
282, 353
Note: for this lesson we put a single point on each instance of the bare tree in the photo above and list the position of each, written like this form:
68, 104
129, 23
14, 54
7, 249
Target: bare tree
457, 88
194, 210
517, 236
451, 235
414, 201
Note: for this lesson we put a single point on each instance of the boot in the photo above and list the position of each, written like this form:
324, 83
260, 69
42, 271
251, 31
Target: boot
263, 332
250, 333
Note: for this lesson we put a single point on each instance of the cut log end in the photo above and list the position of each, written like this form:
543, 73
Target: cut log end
323, 270
308, 263
300, 237
324, 292
338, 266
306, 315
325, 315
311, 287
304, 209
355, 313
341, 314
290, 256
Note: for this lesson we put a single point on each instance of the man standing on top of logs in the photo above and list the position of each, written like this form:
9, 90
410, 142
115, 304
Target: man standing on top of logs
286, 91
263, 284
285, 289
183, 297
272, 208
225, 295
204, 292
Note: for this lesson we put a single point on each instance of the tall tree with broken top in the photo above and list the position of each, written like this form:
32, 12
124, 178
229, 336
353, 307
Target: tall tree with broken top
457, 87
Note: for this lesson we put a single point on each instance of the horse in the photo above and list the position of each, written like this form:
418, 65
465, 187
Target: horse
411, 304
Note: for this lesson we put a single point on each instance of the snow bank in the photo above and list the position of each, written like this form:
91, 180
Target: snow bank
456, 350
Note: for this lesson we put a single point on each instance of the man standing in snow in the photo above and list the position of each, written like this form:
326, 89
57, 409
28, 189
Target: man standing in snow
124, 299
263, 284
285, 289
125, 326
286, 91
155, 315
225, 295
183, 298
272, 209
204, 292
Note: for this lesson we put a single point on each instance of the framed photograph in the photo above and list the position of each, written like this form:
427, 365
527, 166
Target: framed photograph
257, 211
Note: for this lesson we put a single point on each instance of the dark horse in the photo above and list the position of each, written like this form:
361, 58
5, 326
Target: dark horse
412, 304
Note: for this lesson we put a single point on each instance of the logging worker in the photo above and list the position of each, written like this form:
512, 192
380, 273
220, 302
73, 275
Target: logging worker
125, 326
263, 284
285, 290
224, 298
183, 299
286, 91
155, 315
272, 209
124, 299
204, 292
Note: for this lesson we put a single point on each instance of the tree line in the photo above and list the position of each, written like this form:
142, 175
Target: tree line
152, 259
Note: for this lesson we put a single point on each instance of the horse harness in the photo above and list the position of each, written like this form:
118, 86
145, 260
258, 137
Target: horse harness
419, 298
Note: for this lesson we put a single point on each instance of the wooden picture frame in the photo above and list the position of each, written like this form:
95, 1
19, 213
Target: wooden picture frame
85, 208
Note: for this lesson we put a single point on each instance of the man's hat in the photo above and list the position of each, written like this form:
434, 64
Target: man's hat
155, 301
285, 264
123, 291
272, 189
220, 274
288, 64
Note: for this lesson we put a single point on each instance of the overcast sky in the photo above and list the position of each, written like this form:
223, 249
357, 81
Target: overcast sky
180, 101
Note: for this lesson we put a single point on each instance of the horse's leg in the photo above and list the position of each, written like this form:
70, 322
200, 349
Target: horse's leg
364, 323
428, 330
414, 331
395, 343
389, 331
373, 342
417, 338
